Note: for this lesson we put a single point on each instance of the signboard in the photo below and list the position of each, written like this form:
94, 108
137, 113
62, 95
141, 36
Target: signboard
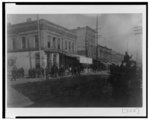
85, 60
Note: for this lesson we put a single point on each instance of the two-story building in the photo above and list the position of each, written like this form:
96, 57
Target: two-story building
39, 43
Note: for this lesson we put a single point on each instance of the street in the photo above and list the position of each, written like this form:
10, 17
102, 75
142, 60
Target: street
87, 90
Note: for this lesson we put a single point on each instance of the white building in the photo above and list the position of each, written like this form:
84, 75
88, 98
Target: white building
39, 43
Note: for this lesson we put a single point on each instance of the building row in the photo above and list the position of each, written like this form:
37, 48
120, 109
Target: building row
42, 43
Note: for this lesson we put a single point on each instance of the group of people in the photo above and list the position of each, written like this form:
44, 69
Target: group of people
17, 73
36, 72
127, 70
122, 77
54, 71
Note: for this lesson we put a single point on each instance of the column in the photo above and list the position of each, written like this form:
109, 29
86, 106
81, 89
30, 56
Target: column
57, 59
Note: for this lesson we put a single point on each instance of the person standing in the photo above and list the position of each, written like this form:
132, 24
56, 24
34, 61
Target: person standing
14, 73
127, 58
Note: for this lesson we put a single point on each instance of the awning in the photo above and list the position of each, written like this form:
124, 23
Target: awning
82, 59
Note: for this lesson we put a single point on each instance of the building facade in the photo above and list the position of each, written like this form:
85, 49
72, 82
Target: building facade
117, 58
86, 41
39, 43
104, 54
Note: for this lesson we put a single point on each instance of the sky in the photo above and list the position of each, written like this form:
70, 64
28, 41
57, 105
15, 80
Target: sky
115, 30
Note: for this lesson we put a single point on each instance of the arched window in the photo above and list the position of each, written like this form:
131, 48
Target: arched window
54, 42
49, 42
69, 45
73, 47
58, 43
36, 41
66, 45
24, 43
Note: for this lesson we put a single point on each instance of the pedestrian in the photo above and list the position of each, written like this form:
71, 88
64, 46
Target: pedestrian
47, 72
78, 70
14, 73
54, 70
22, 72
63, 70
42, 71
127, 58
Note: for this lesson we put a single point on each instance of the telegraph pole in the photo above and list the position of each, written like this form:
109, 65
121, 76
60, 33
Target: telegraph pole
137, 31
30, 60
97, 36
39, 39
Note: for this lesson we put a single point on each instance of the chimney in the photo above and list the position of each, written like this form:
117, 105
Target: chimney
29, 20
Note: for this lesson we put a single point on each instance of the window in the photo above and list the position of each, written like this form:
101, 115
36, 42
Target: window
14, 43
36, 41
66, 45
49, 42
58, 43
37, 60
54, 59
69, 46
72, 46
23, 42
54, 42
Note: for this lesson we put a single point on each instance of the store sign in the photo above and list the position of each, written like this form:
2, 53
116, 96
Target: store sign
85, 60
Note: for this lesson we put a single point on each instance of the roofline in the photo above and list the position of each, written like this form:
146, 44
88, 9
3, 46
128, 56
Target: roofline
24, 23
91, 29
85, 27
57, 25
104, 47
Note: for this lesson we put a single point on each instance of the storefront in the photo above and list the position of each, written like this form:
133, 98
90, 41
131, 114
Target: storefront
60, 58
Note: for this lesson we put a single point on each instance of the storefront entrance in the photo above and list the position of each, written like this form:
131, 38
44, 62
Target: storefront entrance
60, 59
52, 58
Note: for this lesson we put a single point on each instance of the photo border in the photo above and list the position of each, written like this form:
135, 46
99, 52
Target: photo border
69, 3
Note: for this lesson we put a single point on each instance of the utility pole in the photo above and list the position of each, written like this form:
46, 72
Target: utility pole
30, 60
62, 54
97, 36
39, 39
127, 46
137, 31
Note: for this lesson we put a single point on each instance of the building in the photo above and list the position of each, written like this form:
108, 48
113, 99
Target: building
86, 41
39, 43
117, 58
104, 54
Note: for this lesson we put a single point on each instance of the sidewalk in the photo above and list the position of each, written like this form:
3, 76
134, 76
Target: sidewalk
97, 73
25, 80
16, 99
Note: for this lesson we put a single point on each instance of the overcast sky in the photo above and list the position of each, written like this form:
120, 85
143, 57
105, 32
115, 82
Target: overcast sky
115, 30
